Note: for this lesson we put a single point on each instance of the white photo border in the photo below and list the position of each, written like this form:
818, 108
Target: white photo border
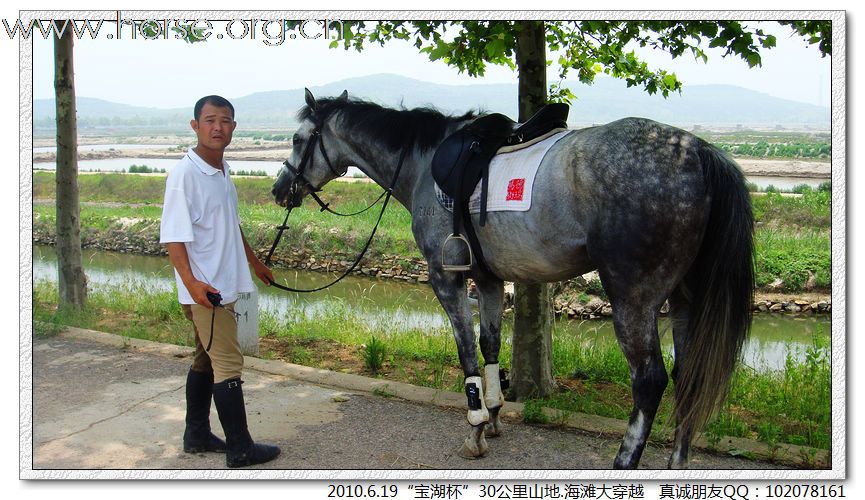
839, 268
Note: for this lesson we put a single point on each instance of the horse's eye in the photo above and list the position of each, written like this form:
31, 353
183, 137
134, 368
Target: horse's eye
295, 140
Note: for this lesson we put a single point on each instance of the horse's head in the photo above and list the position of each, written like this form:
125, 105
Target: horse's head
313, 154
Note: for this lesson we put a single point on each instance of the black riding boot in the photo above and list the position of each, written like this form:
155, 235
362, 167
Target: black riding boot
197, 437
242, 451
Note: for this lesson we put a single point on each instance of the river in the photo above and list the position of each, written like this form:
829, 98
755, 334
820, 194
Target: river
272, 168
395, 306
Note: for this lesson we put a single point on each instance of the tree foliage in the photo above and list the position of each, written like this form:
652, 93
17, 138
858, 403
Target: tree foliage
586, 48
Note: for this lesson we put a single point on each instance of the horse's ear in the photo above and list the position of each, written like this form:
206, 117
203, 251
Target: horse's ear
310, 100
343, 96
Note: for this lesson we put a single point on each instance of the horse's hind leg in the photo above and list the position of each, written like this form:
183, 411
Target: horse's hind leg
636, 325
491, 301
680, 316
637, 332
450, 288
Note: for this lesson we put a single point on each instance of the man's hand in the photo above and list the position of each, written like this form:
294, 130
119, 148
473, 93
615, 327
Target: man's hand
263, 272
180, 260
198, 290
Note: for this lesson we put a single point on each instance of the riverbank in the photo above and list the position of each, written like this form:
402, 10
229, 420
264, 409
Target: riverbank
579, 298
121, 213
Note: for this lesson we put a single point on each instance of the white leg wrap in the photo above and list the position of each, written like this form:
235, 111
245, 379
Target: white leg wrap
481, 416
494, 397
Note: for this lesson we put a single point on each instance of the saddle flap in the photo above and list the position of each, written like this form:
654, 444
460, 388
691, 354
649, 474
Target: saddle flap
450, 160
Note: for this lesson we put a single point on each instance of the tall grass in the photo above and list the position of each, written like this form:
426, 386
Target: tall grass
792, 404
811, 210
793, 257
139, 311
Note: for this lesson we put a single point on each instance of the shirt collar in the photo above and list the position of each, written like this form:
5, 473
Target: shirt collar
202, 165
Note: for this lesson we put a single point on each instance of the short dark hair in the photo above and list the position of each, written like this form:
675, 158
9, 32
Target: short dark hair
218, 101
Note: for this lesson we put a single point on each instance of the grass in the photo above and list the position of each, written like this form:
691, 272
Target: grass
374, 353
789, 406
792, 235
794, 257
797, 398
811, 210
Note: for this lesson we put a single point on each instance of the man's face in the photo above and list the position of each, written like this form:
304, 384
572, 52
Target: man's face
214, 127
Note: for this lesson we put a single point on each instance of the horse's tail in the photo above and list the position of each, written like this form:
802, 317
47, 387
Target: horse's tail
721, 286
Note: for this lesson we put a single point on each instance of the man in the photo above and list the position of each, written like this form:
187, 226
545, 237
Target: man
201, 230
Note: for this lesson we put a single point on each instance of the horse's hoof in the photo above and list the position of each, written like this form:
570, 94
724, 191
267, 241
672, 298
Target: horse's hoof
676, 465
471, 450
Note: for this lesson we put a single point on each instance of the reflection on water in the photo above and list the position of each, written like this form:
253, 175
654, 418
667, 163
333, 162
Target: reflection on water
105, 147
393, 307
118, 164
784, 183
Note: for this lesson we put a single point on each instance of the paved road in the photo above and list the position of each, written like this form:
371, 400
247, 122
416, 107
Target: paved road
97, 406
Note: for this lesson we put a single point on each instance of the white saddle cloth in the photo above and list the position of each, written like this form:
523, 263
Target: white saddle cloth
512, 176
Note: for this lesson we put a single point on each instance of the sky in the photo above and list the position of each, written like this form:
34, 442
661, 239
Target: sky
172, 73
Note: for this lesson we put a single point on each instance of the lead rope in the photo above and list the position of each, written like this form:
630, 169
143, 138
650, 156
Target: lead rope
213, 320
387, 194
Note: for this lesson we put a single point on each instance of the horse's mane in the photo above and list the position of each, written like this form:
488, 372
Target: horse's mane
424, 127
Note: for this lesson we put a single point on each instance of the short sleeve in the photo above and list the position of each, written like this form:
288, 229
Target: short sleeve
176, 223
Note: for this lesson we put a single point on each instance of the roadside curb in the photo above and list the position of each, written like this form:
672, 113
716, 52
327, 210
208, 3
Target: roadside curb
787, 454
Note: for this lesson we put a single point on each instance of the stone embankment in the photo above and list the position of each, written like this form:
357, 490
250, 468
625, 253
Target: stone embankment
579, 298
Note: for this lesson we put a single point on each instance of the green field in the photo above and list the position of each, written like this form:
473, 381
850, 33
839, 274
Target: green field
773, 145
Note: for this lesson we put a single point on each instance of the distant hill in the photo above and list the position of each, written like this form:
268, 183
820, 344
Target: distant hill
607, 100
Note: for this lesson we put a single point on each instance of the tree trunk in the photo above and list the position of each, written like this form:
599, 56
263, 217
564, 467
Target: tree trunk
71, 282
532, 353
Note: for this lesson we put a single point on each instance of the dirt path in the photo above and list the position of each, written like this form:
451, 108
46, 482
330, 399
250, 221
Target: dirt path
133, 419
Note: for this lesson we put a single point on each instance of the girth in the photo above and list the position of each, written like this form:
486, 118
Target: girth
463, 159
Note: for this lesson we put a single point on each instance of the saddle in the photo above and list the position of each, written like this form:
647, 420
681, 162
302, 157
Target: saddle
463, 160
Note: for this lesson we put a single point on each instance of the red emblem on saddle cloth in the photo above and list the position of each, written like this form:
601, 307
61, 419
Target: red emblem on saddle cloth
515, 189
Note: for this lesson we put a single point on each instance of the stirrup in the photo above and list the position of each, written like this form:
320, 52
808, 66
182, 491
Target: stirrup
457, 267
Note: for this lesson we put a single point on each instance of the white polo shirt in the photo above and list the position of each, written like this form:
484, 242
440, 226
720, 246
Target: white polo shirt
200, 210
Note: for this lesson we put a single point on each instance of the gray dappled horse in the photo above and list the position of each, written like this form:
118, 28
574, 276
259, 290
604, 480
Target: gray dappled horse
661, 214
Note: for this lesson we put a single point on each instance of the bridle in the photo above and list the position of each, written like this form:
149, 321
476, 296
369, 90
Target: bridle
300, 181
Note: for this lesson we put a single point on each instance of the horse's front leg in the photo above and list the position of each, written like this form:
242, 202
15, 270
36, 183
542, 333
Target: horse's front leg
491, 296
450, 288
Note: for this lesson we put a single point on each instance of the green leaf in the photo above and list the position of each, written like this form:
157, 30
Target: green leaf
753, 59
718, 42
439, 51
670, 80
496, 48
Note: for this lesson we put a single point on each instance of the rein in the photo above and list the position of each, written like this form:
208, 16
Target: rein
386, 194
